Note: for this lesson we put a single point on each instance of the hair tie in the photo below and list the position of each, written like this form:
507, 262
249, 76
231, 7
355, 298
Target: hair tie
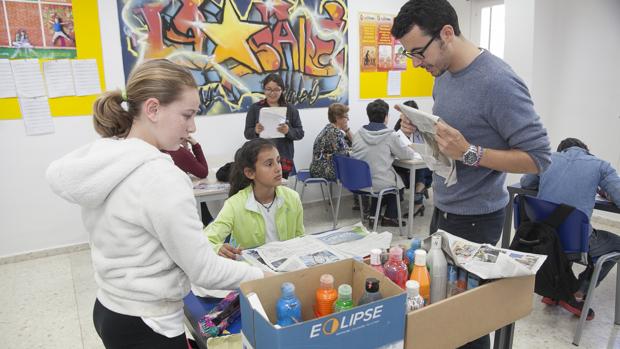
124, 95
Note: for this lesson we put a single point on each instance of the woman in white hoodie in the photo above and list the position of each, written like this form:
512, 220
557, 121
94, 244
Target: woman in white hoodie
146, 238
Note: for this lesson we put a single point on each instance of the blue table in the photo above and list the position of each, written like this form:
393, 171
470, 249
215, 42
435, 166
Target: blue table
195, 308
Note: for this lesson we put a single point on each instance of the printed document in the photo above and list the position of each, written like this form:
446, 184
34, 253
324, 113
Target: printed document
271, 118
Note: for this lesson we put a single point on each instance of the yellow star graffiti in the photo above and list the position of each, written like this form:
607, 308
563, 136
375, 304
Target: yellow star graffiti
231, 37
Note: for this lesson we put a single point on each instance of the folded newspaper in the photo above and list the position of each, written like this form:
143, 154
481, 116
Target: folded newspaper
487, 261
429, 150
311, 250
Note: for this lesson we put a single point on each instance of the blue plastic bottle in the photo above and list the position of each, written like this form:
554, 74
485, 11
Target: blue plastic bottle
288, 308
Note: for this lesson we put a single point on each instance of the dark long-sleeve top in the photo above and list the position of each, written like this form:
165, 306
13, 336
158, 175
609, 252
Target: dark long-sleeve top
192, 162
284, 145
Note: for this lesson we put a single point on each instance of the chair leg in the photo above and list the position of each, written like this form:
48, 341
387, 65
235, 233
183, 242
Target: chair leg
337, 211
331, 204
400, 221
377, 211
361, 208
590, 296
617, 313
303, 189
322, 191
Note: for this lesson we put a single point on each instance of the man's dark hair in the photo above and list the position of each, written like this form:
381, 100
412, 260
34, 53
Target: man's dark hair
572, 142
429, 15
377, 110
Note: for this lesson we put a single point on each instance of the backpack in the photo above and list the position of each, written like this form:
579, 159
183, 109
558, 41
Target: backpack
223, 173
555, 278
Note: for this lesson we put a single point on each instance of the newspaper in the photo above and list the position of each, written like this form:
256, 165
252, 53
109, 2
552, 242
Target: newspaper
310, 250
487, 261
436, 161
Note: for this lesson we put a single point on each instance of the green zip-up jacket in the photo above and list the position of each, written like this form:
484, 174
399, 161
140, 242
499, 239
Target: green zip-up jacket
241, 218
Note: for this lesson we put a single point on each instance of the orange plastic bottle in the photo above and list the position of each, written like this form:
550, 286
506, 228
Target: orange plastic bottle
326, 295
420, 274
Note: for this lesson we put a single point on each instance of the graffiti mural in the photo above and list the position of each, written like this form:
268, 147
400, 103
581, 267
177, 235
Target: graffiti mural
231, 45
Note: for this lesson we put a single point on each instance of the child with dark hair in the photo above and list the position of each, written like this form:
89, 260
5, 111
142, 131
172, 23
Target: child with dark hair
379, 146
259, 209
292, 130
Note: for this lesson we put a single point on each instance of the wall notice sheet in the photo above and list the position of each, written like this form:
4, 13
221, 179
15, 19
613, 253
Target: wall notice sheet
7, 87
58, 78
37, 116
28, 77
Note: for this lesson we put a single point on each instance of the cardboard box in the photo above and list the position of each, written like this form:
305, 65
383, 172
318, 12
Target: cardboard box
470, 315
374, 325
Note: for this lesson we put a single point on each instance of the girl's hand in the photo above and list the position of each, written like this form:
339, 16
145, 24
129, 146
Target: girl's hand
228, 251
259, 128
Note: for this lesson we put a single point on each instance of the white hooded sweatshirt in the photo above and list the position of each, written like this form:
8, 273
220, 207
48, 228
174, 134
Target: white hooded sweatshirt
146, 238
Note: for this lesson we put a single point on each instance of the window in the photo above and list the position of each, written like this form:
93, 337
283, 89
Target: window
489, 19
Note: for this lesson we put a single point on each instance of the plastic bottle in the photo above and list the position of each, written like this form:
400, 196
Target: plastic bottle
461, 281
326, 295
395, 269
420, 274
438, 269
372, 292
288, 308
414, 300
375, 260
415, 244
344, 302
451, 289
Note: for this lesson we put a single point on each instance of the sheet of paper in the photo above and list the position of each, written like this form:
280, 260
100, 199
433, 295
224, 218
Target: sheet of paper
58, 78
7, 87
37, 116
28, 77
402, 137
270, 118
86, 77
393, 83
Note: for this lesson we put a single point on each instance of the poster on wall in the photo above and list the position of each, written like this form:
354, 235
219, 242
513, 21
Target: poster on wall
37, 29
378, 49
231, 45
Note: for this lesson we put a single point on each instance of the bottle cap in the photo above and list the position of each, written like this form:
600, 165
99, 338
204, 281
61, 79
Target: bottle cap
396, 253
287, 288
375, 256
372, 285
413, 288
420, 257
327, 281
345, 290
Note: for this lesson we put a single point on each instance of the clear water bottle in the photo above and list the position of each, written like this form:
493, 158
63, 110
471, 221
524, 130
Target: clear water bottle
288, 308
414, 300
372, 292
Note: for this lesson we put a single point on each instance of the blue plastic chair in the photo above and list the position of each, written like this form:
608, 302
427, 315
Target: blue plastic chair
354, 175
574, 235
303, 176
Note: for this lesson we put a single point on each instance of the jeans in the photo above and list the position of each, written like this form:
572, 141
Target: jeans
485, 228
601, 243
123, 331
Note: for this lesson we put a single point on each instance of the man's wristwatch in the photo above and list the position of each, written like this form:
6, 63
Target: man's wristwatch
472, 156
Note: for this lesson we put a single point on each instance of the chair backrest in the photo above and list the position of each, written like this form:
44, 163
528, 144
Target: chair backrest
574, 232
354, 174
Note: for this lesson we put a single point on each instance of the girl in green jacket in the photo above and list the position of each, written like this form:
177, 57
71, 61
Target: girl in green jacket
259, 209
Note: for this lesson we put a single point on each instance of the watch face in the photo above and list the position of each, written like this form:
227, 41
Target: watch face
470, 157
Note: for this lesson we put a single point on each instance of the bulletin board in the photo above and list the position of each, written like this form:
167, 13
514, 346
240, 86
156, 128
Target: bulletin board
415, 82
381, 53
88, 41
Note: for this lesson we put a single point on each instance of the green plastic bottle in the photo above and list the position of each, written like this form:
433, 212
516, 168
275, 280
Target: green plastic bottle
344, 301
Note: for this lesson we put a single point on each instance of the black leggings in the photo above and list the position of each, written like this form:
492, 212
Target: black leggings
122, 331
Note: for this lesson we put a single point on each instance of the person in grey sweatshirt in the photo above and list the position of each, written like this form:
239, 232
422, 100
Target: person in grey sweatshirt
379, 145
488, 122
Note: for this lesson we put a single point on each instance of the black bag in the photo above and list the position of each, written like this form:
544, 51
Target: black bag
555, 278
223, 173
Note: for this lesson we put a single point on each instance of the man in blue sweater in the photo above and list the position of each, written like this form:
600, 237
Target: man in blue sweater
488, 122
574, 178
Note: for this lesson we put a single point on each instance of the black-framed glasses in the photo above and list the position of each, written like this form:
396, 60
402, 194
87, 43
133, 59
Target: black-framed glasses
419, 52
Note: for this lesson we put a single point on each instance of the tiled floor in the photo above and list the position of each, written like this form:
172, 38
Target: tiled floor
47, 302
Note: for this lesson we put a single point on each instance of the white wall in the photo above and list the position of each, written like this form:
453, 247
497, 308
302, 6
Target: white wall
33, 218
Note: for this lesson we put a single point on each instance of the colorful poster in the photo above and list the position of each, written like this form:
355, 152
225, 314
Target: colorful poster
368, 42
231, 45
400, 60
385, 42
37, 29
